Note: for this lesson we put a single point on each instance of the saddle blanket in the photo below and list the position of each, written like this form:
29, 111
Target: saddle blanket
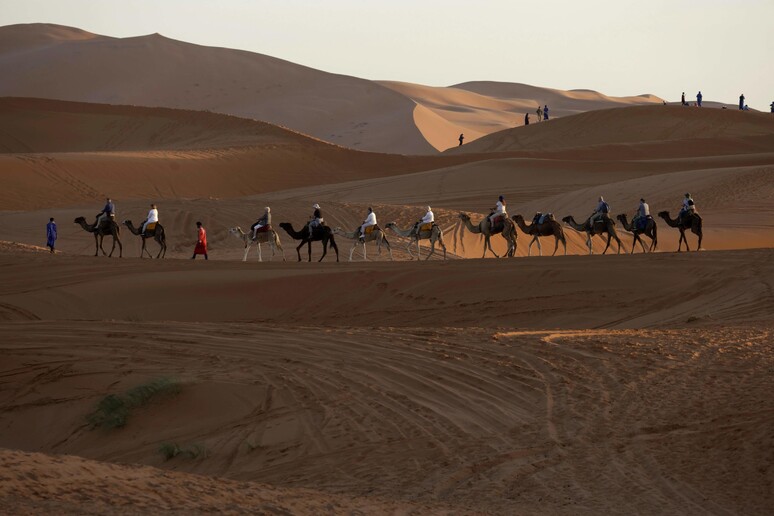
151, 226
426, 227
263, 229
370, 229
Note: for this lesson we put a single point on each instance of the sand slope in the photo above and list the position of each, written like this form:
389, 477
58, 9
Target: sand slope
52, 61
478, 109
635, 125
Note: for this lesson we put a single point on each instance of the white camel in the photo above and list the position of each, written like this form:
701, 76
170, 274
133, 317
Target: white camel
265, 237
377, 235
434, 235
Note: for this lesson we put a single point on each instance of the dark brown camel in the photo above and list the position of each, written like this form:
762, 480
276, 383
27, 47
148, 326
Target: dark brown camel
107, 228
156, 234
692, 222
603, 225
549, 227
324, 234
650, 231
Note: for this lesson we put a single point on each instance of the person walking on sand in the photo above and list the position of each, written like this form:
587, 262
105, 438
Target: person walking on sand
772, 107
201, 241
51, 234
526, 119
462, 137
741, 102
540, 113
682, 99
698, 98
545, 112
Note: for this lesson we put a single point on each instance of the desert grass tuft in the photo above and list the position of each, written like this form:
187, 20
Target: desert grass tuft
114, 409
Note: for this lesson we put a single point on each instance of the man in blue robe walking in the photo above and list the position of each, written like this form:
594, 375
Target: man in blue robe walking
51, 234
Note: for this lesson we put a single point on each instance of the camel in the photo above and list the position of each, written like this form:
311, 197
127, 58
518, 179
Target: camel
107, 228
157, 234
694, 224
324, 234
434, 235
650, 231
549, 227
508, 233
377, 235
604, 225
263, 237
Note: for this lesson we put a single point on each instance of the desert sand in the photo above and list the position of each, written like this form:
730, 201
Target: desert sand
604, 384
66, 63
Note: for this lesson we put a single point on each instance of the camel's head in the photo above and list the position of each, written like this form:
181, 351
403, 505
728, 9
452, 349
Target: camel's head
235, 230
567, 219
390, 225
621, 217
663, 214
286, 226
518, 218
126, 222
79, 220
464, 216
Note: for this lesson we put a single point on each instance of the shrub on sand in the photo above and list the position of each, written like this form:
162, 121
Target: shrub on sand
114, 409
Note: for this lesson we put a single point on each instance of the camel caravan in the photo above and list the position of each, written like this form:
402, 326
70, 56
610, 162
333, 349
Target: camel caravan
498, 222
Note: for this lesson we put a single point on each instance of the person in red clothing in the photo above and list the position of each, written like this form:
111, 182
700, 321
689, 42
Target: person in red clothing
201, 242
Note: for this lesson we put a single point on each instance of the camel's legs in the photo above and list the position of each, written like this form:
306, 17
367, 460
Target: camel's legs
700, 237
260, 257
325, 250
364, 252
298, 249
96, 245
247, 250
419, 250
432, 249
540, 246
609, 237
590, 245
352, 251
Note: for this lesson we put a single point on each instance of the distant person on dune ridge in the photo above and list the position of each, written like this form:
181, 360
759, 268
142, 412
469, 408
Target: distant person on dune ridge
545, 112
698, 99
539, 113
201, 242
741, 102
51, 234
682, 100
772, 107
526, 119
461, 138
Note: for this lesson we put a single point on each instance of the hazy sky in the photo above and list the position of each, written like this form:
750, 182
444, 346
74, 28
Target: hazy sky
618, 47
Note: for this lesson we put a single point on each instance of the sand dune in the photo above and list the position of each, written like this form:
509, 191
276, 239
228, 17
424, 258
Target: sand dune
634, 125
52, 61
478, 109
565, 385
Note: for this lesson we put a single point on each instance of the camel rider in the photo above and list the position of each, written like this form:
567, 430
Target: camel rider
427, 219
108, 212
600, 212
317, 219
261, 224
689, 208
643, 212
497, 211
153, 217
368, 222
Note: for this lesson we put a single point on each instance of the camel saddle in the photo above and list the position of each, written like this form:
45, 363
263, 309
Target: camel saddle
426, 227
498, 224
370, 229
150, 228
264, 229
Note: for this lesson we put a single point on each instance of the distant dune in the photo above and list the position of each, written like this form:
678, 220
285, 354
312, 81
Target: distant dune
52, 61
635, 125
